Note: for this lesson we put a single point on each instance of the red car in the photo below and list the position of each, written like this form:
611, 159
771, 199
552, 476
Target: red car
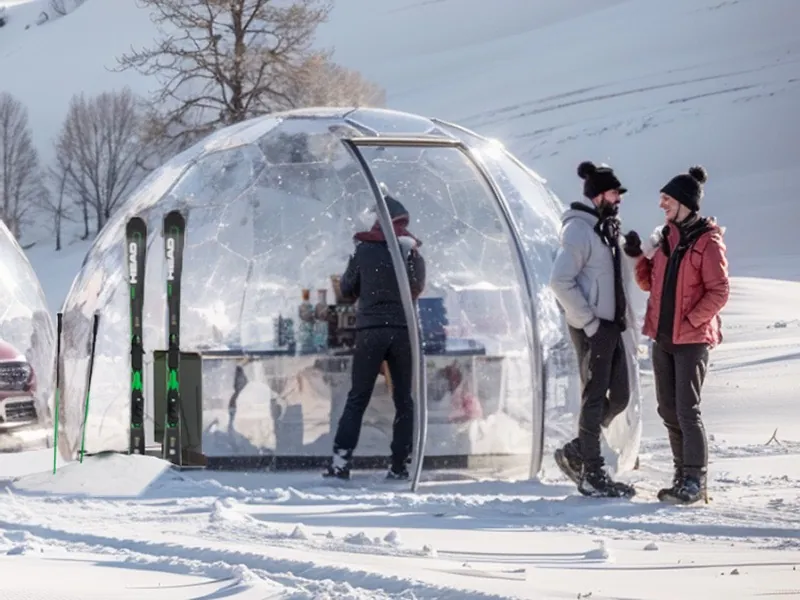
17, 389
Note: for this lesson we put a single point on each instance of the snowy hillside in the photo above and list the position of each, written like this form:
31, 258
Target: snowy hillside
651, 88
709, 81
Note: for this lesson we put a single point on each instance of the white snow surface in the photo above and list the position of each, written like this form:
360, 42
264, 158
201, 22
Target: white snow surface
118, 526
650, 88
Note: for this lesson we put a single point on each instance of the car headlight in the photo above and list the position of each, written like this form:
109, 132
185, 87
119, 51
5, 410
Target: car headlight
15, 376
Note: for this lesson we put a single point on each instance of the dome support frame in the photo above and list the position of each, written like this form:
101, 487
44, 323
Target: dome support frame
419, 368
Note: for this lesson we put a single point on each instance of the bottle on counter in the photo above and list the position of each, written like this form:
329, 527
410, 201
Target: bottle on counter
305, 326
321, 321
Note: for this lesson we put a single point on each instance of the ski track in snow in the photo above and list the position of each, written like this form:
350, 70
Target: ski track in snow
312, 580
236, 531
237, 539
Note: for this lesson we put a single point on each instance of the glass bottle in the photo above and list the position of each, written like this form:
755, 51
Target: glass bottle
321, 321
305, 328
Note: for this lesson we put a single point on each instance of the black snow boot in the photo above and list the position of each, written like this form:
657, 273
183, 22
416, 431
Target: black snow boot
677, 481
691, 490
595, 482
568, 458
340, 465
399, 470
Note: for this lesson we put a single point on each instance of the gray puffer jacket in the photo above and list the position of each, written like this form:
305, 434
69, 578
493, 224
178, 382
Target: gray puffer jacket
583, 273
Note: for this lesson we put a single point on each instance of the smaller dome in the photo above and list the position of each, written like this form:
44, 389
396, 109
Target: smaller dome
27, 347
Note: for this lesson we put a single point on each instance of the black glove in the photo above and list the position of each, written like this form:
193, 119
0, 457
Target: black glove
633, 244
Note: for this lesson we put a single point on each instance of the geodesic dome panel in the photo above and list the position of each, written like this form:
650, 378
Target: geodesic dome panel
234, 236
271, 207
27, 347
536, 210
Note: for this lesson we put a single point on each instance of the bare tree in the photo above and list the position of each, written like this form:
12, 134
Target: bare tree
321, 82
20, 180
57, 203
228, 61
101, 151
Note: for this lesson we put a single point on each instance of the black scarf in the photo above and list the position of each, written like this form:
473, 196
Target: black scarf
690, 230
608, 228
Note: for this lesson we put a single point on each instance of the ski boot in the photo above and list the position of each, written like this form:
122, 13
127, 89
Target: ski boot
568, 459
340, 465
595, 482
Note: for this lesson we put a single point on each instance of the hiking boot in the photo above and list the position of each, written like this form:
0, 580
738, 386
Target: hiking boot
597, 483
677, 481
568, 459
399, 470
692, 489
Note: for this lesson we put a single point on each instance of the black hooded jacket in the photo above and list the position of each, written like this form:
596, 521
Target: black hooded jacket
370, 277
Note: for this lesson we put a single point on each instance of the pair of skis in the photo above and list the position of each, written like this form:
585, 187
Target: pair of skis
174, 229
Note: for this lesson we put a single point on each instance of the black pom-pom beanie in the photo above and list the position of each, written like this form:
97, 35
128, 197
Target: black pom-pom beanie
598, 179
687, 188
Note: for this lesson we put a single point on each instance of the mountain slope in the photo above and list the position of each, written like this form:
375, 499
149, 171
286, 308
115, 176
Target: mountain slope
649, 87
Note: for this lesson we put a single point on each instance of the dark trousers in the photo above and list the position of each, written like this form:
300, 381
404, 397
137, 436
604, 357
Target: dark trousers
372, 347
605, 387
679, 371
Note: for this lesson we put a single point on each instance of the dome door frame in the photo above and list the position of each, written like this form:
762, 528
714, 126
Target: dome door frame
419, 374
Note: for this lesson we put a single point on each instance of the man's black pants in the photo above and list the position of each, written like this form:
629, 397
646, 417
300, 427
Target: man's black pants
605, 387
679, 371
372, 347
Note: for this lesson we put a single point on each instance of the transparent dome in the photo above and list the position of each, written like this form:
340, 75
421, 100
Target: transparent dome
27, 349
271, 206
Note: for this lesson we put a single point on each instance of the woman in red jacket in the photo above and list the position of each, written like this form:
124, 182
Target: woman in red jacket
684, 268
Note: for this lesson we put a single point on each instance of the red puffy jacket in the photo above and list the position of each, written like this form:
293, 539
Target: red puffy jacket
702, 288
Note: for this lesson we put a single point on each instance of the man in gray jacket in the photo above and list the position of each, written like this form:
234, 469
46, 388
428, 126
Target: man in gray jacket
588, 282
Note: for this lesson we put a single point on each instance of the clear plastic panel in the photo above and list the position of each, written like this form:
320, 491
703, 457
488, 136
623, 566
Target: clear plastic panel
97, 288
475, 332
537, 214
279, 387
264, 222
100, 286
27, 348
390, 122
535, 210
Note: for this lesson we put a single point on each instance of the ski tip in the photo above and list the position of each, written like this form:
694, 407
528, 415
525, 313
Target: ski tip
174, 218
174, 215
136, 223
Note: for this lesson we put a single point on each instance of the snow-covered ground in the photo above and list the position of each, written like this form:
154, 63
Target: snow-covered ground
131, 527
649, 87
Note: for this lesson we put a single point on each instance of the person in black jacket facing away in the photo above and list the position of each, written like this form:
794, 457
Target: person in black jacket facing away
381, 335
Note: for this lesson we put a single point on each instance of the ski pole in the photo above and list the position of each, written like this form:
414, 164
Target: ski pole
59, 320
89, 384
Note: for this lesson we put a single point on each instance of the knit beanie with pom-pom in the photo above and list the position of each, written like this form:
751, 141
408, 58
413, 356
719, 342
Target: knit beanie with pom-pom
598, 179
687, 188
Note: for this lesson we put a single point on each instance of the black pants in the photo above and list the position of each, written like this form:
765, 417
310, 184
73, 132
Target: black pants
605, 387
372, 347
679, 371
